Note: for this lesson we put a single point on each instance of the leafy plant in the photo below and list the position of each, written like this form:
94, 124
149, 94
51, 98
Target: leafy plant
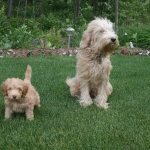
51, 39
5, 43
21, 37
4, 24
134, 36
54, 38
144, 38
49, 21
138, 35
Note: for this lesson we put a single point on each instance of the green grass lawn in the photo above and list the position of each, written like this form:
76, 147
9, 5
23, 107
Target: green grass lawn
62, 124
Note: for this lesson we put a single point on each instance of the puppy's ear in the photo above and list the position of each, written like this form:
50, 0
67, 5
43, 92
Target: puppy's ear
25, 90
4, 89
85, 41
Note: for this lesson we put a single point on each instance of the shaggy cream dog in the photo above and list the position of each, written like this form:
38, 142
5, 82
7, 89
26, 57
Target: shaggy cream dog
93, 64
20, 96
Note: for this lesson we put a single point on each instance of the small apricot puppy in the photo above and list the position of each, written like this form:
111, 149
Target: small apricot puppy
20, 96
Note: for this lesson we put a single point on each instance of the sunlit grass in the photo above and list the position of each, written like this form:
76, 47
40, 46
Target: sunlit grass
61, 123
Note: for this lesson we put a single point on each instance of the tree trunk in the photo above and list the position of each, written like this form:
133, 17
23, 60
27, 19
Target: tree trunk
41, 8
77, 9
33, 10
25, 9
95, 6
10, 3
17, 12
116, 20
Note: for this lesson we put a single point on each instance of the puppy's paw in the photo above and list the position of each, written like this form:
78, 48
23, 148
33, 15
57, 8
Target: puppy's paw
39, 105
86, 102
6, 119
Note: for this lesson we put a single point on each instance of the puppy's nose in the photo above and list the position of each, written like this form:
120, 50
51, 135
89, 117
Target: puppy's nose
14, 96
113, 39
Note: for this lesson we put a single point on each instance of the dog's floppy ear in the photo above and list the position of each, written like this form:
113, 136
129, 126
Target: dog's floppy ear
25, 90
4, 88
85, 41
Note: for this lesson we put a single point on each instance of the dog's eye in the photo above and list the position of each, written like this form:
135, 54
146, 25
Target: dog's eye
102, 31
9, 89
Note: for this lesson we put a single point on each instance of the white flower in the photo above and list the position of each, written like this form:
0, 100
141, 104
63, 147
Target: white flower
76, 51
147, 52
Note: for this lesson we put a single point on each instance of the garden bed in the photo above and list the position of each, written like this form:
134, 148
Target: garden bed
67, 51
36, 52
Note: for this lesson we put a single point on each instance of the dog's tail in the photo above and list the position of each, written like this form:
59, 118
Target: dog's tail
74, 86
28, 74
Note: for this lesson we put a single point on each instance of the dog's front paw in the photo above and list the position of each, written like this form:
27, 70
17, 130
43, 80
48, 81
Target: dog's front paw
30, 119
39, 105
86, 102
6, 119
102, 105
101, 101
109, 89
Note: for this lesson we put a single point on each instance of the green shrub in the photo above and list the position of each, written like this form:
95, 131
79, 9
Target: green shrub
144, 37
5, 27
55, 38
34, 27
138, 35
50, 39
21, 37
4, 24
48, 22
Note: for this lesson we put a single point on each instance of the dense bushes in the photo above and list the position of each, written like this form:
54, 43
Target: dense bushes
140, 36
28, 24
21, 37
4, 30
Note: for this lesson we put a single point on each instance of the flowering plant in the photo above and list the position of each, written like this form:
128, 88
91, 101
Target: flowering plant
35, 53
132, 52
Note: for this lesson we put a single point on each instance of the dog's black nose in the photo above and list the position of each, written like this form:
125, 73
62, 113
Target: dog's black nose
14, 96
113, 39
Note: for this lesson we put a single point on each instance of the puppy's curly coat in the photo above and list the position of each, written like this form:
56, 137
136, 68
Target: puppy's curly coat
93, 64
20, 96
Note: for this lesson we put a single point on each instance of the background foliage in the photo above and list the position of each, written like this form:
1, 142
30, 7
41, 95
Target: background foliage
23, 21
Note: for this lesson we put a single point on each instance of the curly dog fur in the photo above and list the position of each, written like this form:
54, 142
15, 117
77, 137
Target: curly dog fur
20, 96
94, 65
